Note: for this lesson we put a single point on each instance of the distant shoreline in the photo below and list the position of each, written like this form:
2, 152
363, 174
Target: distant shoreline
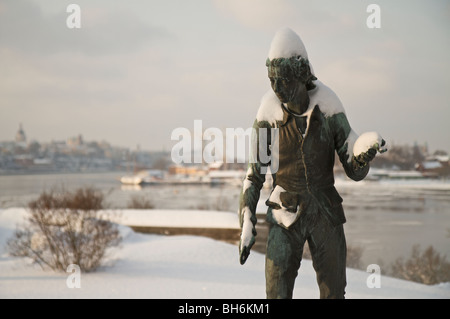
34, 173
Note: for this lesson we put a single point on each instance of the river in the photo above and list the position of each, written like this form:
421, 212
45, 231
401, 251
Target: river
384, 218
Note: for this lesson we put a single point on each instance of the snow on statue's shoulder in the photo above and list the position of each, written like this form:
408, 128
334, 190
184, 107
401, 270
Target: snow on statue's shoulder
327, 100
270, 109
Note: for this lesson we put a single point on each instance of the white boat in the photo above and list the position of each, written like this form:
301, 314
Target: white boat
131, 180
233, 177
377, 174
156, 177
142, 177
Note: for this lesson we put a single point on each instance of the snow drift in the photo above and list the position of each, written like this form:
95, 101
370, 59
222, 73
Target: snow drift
169, 267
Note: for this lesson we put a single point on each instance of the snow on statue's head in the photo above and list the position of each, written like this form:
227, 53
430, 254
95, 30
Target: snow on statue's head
286, 44
288, 55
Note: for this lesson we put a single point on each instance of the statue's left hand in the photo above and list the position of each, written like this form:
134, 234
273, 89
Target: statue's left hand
365, 158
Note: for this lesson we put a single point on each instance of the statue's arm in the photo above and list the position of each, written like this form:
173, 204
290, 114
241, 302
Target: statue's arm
344, 138
252, 184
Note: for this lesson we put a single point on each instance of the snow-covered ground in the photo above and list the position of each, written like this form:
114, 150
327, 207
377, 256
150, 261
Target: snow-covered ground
181, 267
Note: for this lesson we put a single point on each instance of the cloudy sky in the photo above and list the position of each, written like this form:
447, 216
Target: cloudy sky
138, 69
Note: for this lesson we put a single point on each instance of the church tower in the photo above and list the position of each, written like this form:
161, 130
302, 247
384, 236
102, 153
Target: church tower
21, 138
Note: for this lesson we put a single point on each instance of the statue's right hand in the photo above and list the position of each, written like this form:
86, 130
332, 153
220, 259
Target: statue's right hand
244, 250
247, 240
247, 223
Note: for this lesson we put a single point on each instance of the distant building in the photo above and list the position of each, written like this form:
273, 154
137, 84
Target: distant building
75, 141
21, 138
186, 170
435, 166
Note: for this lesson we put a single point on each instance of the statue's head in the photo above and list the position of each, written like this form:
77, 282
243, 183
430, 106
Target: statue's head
286, 74
288, 65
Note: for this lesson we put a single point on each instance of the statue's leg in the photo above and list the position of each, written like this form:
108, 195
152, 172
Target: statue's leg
283, 257
329, 251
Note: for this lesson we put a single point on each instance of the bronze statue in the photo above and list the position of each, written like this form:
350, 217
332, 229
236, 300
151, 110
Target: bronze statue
304, 204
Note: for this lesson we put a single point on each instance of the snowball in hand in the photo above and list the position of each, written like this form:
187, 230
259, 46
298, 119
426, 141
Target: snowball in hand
367, 141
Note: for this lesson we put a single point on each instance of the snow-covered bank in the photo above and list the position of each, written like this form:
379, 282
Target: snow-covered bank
153, 266
175, 218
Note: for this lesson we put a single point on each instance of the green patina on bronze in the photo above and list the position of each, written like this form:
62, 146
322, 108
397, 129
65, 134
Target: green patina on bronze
305, 174
297, 67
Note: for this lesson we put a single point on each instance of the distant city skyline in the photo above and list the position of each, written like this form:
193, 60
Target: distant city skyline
137, 70
20, 137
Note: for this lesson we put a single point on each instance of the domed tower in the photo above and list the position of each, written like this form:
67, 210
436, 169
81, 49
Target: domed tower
21, 138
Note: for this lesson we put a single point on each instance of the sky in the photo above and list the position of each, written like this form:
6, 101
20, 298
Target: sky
138, 69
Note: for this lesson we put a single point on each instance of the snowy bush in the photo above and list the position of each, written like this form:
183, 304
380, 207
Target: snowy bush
140, 202
427, 267
65, 228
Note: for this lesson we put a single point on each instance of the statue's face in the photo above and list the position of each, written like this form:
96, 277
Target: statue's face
284, 83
